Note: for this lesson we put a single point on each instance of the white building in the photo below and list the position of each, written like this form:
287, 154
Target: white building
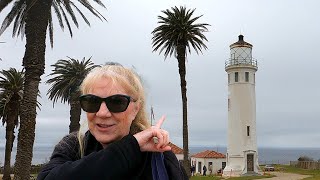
208, 158
242, 154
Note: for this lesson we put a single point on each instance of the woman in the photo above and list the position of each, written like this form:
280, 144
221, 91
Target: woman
120, 144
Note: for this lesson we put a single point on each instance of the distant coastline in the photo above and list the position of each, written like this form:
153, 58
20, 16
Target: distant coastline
267, 155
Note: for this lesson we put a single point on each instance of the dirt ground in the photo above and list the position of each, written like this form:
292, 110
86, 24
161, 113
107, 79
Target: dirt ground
286, 176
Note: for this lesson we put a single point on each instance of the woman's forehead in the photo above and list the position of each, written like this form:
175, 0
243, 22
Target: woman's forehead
108, 84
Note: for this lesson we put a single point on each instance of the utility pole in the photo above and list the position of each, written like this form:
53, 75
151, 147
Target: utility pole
151, 115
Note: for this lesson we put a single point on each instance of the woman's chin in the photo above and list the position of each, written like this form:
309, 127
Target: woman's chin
105, 140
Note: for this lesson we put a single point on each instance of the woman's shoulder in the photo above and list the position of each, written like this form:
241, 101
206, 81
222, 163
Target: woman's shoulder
70, 139
68, 145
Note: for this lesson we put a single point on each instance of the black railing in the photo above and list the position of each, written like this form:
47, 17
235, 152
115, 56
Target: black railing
241, 62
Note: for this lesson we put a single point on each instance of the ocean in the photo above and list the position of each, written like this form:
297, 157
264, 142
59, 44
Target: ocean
42, 154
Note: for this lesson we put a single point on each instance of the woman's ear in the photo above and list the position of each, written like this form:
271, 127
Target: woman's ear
134, 111
136, 108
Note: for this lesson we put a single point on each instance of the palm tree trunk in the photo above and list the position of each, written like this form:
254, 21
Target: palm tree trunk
12, 115
181, 51
75, 112
9, 143
33, 61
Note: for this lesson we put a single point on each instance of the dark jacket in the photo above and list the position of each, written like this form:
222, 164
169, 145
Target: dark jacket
120, 160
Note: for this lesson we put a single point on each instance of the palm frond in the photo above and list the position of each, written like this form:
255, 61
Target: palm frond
70, 11
95, 12
11, 91
67, 77
55, 6
16, 8
100, 3
82, 15
64, 10
178, 28
18, 22
65, 19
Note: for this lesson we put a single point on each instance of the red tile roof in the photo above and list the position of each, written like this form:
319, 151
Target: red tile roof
175, 149
208, 154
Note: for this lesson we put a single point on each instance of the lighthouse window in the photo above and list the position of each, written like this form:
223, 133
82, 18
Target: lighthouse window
229, 78
233, 56
248, 130
236, 76
247, 76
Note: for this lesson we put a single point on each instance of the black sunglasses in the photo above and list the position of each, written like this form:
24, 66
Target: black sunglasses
115, 103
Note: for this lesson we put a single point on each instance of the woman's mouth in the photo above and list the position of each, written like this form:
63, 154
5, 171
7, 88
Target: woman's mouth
105, 127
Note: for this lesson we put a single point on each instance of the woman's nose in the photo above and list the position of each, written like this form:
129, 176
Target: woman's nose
103, 111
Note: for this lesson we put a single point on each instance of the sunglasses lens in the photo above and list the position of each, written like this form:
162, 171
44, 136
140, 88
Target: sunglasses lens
90, 103
117, 103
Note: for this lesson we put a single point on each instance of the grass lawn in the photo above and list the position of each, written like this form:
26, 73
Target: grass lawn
233, 178
205, 177
315, 174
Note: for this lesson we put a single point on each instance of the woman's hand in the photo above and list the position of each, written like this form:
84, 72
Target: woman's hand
154, 139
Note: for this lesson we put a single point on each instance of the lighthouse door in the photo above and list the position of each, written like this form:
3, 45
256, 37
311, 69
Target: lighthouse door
250, 166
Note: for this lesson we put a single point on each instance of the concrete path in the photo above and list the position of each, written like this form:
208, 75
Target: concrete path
286, 176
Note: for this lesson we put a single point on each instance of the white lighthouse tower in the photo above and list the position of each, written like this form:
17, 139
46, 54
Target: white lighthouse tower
242, 154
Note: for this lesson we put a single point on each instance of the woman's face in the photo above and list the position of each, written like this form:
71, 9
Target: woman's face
107, 126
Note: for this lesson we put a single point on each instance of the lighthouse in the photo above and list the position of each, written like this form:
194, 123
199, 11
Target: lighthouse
242, 153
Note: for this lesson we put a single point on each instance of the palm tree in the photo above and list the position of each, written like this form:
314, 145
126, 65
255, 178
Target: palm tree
176, 34
69, 75
11, 90
32, 18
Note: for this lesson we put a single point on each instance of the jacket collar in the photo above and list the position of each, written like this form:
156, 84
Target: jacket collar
91, 144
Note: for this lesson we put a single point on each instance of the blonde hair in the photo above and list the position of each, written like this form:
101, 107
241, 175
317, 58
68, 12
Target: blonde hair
130, 81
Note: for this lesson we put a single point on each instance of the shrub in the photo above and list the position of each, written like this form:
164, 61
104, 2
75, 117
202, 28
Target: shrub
305, 158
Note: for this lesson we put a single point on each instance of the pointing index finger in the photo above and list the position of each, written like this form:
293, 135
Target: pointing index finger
160, 122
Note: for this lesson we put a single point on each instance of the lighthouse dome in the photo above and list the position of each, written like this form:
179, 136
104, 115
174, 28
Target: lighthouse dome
240, 42
241, 54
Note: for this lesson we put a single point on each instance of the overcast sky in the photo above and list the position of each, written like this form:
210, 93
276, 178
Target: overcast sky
285, 38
